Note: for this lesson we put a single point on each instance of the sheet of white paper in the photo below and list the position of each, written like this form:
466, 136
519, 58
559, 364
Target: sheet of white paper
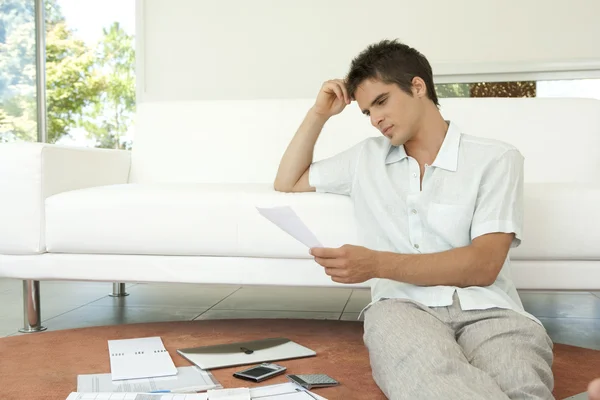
187, 378
135, 396
284, 391
139, 358
287, 219
229, 394
290, 396
263, 391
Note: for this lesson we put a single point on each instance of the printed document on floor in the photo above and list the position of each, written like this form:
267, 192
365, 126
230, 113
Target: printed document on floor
191, 379
230, 394
136, 396
285, 391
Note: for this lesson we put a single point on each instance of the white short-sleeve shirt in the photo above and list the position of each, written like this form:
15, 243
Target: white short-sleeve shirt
474, 187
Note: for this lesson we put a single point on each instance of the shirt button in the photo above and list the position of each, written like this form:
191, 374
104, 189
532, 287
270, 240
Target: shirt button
416, 246
413, 211
414, 175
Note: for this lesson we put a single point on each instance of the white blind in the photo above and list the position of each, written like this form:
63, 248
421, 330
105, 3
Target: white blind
241, 49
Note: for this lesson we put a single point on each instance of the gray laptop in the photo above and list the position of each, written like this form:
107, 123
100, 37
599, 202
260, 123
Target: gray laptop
580, 396
243, 353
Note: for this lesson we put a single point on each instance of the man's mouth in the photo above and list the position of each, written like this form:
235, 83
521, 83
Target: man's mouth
387, 130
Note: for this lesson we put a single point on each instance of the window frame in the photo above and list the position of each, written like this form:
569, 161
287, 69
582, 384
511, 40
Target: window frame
516, 71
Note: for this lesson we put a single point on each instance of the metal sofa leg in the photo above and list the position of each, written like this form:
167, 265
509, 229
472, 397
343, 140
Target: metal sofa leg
31, 307
118, 290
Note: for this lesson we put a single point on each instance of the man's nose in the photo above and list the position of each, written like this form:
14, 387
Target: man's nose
376, 120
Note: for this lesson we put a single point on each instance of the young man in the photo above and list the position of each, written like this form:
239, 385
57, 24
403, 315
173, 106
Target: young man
438, 211
594, 390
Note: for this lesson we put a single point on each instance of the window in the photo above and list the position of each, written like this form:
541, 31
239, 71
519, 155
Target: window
589, 88
90, 72
18, 120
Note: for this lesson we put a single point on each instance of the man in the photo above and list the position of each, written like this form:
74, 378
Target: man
438, 211
594, 389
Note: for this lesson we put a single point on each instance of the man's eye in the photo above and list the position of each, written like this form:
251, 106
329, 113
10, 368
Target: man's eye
382, 102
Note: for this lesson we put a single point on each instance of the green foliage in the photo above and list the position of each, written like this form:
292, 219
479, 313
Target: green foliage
87, 86
5, 127
72, 82
110, 117
487, 89
453, 90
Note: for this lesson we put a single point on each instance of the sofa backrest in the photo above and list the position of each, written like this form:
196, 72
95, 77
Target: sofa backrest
243, 141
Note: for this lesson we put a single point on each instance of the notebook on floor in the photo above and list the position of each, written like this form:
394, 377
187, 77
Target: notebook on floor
139, 358
242, 353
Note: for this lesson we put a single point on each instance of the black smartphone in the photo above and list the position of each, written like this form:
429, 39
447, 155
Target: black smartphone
260, 372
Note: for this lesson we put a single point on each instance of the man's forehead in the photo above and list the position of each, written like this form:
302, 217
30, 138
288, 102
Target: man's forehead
372, 88
370, 84
367, 96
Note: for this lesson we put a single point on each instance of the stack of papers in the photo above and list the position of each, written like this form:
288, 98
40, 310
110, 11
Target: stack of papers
229, 394
134, 396
143, 366
188, 379
285, 391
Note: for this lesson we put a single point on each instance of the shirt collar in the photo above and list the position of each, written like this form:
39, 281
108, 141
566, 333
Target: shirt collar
447, 157
395, 154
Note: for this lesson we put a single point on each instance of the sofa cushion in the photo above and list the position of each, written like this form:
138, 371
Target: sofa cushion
561, 221
190, 219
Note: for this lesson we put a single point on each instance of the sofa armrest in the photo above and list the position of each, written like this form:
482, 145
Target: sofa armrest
31, 172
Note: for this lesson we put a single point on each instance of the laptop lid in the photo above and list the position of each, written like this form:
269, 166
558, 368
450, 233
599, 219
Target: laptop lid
242, 353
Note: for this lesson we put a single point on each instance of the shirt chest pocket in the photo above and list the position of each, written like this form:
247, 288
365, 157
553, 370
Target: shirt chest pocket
450, 224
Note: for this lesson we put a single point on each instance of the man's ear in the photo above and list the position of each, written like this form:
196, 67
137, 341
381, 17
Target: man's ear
419, 87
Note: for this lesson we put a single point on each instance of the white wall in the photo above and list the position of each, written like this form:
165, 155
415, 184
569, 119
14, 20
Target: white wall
256, 49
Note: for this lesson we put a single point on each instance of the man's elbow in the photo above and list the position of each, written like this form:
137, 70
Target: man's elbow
490, 273
279, 187
487, 280
488, 256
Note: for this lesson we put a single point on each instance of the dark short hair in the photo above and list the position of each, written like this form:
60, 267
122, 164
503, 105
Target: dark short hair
391, 62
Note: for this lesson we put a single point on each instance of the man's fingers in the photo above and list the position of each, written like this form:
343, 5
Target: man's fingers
325, 252
329, 262
336, 87
344, 90
338, 91
340, 280
336, 272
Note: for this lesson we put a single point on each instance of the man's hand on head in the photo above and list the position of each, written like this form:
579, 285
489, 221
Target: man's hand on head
348, 264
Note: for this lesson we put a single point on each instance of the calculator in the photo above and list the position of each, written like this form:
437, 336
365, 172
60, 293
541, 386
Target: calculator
313, 380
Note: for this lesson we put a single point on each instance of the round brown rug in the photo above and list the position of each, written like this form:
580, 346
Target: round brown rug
45, 365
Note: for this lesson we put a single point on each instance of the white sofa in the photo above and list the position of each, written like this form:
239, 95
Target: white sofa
181, 206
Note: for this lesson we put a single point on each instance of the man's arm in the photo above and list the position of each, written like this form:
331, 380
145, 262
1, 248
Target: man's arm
475, 265
292, 175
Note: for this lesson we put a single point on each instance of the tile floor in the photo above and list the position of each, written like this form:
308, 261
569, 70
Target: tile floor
570, 317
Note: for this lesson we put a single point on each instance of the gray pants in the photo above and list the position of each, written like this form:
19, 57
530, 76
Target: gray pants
418, 352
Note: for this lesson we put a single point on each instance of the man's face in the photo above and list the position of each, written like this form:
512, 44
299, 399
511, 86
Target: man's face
393, 112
